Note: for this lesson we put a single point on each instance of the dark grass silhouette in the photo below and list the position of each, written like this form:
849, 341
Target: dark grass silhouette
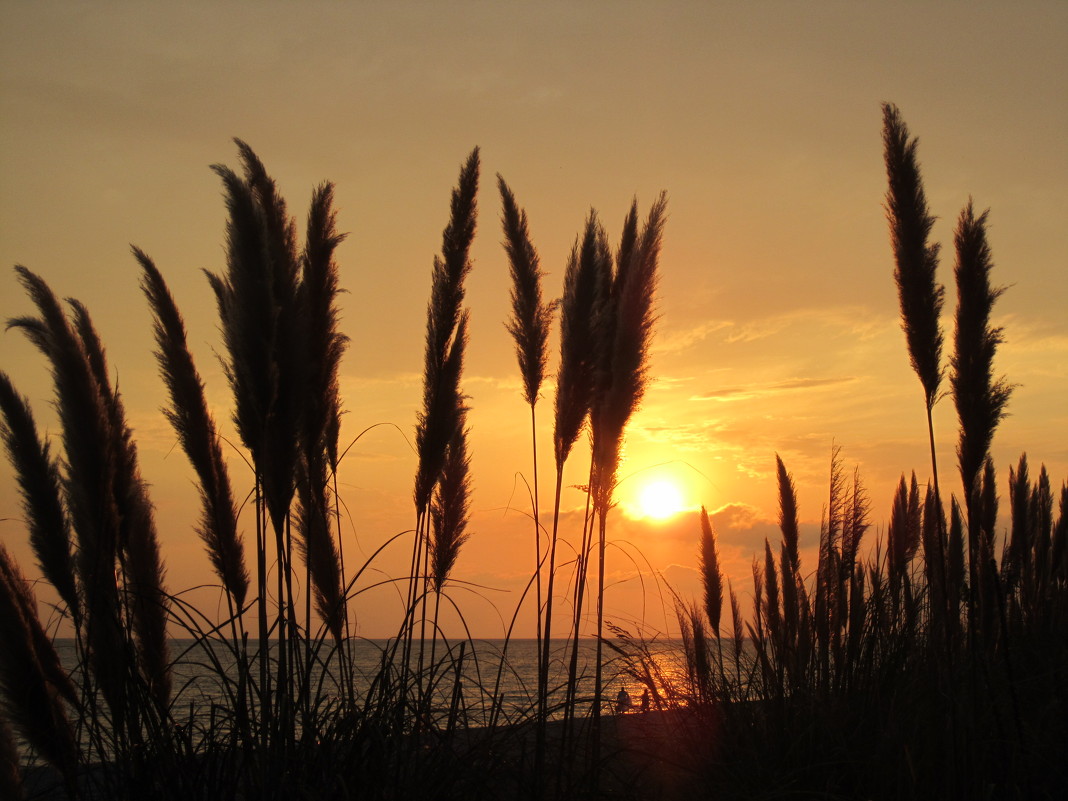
529, 326
931, 664
877, 677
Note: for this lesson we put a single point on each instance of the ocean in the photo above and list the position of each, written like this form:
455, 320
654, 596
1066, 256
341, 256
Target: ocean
476, 674
477, 682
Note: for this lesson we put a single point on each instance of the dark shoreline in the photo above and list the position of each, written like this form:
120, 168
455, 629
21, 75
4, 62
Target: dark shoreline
640, 758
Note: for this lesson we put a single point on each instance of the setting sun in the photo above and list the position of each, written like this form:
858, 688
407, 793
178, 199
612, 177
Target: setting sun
660, 500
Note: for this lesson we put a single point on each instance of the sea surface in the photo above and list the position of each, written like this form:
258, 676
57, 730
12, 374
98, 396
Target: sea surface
474, 682
483, 672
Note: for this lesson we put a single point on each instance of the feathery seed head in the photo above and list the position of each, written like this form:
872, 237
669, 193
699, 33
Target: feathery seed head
264, 329
531, 316
446, 337
28, 697
450, 507
788, 514
585, 287
980, 400
195, 427
920, 296
41, 487
627, 322
711, 576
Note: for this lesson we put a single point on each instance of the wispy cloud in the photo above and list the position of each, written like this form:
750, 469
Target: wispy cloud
772, 388
1033, 338
660, 383
364, 382
855, 322
690, 436
670, 341
758, 329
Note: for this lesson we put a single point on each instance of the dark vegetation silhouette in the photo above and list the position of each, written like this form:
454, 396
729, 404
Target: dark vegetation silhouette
936, 666
933, 664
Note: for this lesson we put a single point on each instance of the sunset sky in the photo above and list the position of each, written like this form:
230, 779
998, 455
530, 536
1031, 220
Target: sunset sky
779, 329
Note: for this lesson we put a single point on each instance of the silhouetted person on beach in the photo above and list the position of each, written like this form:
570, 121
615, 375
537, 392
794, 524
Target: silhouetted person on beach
622, 701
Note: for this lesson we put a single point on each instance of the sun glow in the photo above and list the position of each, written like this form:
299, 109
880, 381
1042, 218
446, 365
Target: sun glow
660, 500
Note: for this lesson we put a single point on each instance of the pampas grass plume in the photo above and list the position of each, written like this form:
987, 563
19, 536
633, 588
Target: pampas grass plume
40, 484
919, 294
585, 286
439, 419
195, 427
450, 508
711, 577
980, 399
29, 699
531, 316
788, 513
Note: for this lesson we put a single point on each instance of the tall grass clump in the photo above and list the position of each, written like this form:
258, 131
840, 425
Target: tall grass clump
839, 684
913, 657
442, 482
919, 294
628, 318
876, 675
586, 284
41, 487
979, 397
916, 261
606, 322
195, 428
257, 299
289, 701
92, 526
34, 690
325, 346
122, 606
607, 317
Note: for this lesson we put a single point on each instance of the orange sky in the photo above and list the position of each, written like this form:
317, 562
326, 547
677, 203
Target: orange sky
779, 328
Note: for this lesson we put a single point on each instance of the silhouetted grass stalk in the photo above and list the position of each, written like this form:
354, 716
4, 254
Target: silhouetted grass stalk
40, 485
529, 327
443, 411
920, 296
31, 680
110, 515
195, 427
585, 286
979, 398
627, 320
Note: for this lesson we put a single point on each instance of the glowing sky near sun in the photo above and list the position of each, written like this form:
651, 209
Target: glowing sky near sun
660, 500
778, 330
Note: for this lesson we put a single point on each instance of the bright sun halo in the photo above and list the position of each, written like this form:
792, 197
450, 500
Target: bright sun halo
660, 500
